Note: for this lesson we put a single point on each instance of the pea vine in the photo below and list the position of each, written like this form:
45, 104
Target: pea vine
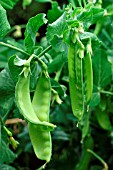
71, 62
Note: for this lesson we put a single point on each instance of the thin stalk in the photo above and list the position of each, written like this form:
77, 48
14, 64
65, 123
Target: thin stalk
106, 92
14, 48
58, 74
99, 158
73, 3
84, 2
98, 28
44, 51
14, 28
25, 53
80, 3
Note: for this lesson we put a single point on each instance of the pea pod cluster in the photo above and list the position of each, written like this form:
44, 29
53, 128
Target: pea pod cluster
36, 112
80, 76
41, 139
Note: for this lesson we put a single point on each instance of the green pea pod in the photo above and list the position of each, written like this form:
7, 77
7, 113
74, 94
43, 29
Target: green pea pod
75, 81
22, 95
41, 140
103, 120
86, 156
88, 76
42, 97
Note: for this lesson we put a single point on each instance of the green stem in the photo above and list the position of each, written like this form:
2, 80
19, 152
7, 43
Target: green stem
14, 48
14, 28
106, 92
44, 51
73, 3
80, 3
58, 74
7, 131
25, 53
84, 3
98, 28
99, 158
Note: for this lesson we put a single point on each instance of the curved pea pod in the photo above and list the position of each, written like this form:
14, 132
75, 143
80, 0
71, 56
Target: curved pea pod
41, 140
42, 97
76, 82
23, 101
86, 156
103, 120
88, 76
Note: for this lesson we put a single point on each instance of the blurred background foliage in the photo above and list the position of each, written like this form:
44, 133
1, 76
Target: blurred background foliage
67, 144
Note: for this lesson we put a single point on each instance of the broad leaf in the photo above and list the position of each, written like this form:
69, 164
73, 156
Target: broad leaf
6, 155
94, 39
4, 24
32, 27
57, 28
91, 15
95, 99
6, 167
101, 70
8, 4
57, 62
6, 90
54, 13
14, 69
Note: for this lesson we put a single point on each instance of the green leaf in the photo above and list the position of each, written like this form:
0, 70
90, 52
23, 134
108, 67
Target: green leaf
26, 3
59, 134
96, 167
6, 155
90, 16
102, 71
58, 44
8, 4
7, 89
54, 13
58, 87
57, 62
95, 99
43, 1
57, 28
4, 24
6, 167
32, 27
103, 119
94, 39
14, 70
19, 62
0, 131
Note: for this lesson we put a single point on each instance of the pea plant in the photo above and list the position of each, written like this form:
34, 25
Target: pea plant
56, 88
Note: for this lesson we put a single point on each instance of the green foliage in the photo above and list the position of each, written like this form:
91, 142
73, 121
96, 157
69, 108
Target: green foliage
8, 4
4, 24
46, 79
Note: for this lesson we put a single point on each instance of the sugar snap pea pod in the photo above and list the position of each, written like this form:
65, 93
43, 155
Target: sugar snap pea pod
22, 95
75, 81
86, 156
41, 140
42, 97
88, 75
